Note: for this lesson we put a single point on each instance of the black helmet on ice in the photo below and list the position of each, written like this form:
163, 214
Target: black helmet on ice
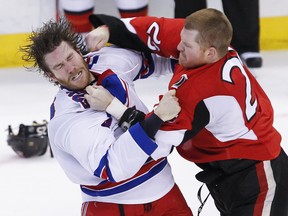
31, 140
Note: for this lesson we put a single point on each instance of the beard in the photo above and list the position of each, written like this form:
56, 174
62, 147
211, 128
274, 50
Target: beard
78, 80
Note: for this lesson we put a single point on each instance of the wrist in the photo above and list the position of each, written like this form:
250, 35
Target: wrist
159, 115
116, 108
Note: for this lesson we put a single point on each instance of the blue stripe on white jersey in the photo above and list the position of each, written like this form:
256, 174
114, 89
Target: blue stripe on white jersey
127, 185
113, 84
144, 142
103, 170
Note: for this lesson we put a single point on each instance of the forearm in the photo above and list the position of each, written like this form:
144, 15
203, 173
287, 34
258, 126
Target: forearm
119, 34
130, 116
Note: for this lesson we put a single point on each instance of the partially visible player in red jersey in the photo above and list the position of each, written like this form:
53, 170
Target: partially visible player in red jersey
226, 122
78, 11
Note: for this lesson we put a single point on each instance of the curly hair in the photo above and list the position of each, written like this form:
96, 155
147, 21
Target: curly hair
45, 40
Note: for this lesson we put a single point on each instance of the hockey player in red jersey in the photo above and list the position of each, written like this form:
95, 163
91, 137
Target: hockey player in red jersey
226, 122
78, 11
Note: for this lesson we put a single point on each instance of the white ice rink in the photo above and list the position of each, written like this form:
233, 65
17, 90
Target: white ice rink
38, 187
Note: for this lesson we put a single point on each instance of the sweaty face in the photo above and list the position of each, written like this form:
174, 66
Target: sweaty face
191, 55
68, 67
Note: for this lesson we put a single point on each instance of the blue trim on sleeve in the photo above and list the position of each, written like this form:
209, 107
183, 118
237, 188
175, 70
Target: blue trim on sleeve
115, 87
142, 139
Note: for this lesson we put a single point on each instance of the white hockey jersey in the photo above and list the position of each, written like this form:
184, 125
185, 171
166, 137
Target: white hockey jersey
91, 148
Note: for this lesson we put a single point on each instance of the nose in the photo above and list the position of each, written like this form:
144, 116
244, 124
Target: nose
69, 68
180, 47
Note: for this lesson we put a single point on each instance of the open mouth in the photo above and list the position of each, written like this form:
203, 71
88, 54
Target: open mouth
77, 76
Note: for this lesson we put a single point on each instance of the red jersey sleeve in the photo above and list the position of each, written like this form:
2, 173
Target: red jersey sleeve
161, 35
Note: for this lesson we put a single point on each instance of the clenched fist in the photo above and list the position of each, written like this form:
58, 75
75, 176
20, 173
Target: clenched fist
98, 97
97, 38
168, 107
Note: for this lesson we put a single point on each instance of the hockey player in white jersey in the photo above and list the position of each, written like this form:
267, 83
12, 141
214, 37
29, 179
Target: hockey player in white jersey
120, 173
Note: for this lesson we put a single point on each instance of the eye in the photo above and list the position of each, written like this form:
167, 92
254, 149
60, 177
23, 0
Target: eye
70, 57
58, 67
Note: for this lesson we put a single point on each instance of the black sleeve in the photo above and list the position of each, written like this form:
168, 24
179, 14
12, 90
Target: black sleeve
150, 124
119, 34
201, 119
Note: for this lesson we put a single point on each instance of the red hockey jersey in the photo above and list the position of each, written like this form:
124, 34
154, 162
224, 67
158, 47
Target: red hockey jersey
225, 112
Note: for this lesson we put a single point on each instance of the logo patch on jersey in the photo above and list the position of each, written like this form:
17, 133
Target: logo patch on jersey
78, 96
153, 41
180, 81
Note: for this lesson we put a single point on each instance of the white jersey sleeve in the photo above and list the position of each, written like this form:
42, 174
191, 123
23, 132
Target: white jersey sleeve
89, 138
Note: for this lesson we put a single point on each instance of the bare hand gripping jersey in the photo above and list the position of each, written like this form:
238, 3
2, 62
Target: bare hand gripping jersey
93, 150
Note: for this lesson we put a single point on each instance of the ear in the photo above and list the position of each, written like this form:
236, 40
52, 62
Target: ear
211, 51
211, 54
51, 76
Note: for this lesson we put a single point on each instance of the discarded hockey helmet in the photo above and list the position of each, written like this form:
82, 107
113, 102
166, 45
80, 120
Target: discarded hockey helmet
31, 140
